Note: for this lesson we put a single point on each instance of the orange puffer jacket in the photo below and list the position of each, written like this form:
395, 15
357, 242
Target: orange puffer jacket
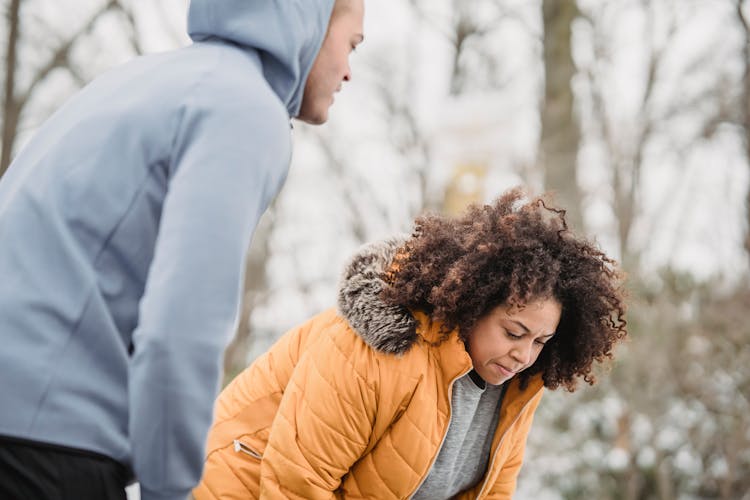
353, 404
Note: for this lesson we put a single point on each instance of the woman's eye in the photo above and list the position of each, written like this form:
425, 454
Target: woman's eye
513, 336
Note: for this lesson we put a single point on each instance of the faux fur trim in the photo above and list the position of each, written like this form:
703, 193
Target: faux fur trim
386, 328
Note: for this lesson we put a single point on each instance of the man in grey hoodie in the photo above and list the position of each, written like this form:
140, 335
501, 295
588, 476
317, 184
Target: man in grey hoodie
124, 225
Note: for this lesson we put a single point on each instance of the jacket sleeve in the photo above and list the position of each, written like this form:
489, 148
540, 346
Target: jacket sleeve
228, 161
323, 425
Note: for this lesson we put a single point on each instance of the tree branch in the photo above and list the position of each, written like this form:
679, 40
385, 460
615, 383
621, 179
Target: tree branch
11, 108
61, 55
133, 33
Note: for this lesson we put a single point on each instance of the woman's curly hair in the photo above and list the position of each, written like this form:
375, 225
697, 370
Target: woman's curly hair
514, 252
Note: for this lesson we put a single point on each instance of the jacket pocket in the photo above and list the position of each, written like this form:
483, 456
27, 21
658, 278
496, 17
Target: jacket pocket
241, 447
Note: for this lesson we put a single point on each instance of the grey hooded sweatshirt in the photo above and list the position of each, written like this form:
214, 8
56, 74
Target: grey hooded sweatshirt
124, 224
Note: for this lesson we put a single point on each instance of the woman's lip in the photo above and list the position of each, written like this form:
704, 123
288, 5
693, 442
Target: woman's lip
505, 371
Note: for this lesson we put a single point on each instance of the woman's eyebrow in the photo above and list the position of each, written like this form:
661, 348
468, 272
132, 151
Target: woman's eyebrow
526, 330
521, 325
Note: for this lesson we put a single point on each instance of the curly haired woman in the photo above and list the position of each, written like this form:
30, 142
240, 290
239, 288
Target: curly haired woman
425, 381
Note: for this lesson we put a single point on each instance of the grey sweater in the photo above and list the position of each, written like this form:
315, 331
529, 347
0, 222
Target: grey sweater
463, 457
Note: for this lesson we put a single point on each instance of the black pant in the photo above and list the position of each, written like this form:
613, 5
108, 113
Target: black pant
37, 471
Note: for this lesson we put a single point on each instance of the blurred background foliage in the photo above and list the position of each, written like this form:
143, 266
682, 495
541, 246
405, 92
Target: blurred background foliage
634, 113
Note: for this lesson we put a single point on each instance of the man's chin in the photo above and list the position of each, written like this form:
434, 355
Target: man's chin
316, 117
314, 120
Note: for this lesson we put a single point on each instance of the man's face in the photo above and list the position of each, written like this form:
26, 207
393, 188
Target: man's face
507, 341
331, 67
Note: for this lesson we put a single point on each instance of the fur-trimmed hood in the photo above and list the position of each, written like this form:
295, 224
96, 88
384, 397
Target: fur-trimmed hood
386, 328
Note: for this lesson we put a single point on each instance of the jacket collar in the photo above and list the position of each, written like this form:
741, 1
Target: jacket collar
384, 327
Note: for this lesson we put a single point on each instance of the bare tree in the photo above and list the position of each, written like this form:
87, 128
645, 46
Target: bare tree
670, 419
626, 162
11, 108
560, 128
15, 99
626, 143
744, 102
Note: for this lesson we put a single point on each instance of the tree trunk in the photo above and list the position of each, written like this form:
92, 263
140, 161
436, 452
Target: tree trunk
560, 128
11, 109
745, 109
462, 29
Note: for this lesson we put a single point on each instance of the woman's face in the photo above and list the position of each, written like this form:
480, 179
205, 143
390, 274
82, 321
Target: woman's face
508, 340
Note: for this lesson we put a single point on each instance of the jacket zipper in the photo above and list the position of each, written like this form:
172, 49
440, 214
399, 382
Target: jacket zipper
499, 444
450, 415
241, 447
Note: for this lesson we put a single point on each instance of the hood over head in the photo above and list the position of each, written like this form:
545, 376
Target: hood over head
287, 34
384, 327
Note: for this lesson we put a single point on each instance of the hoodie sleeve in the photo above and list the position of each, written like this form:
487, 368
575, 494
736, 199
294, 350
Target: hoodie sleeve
229, 160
